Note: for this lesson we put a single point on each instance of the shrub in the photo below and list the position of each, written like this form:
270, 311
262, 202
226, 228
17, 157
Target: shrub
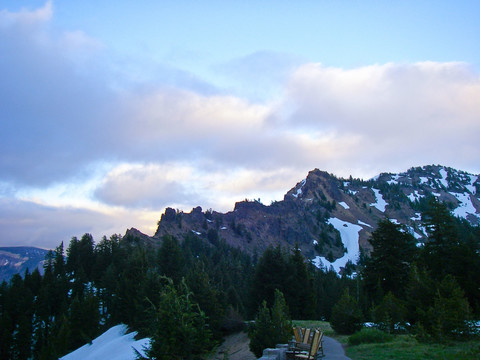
369, 336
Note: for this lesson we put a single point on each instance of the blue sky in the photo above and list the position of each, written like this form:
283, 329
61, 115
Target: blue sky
112, 111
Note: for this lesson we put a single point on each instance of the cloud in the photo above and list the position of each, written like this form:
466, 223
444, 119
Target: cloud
50, 112
258, 76
31, 224
400, 114
151, 186
151, 135
185, 186
27, 17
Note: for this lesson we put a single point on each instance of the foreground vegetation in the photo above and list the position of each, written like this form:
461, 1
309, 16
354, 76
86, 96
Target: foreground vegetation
399, 347
406, 347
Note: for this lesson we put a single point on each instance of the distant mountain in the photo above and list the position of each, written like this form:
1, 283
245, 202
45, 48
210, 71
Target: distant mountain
17, 259
328, 217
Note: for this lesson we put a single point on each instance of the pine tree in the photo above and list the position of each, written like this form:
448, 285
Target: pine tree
181, 328
298, 288
261, 333
390, 314
271, 273
170, 259
450, 316
346, 315
272, 325
387, 268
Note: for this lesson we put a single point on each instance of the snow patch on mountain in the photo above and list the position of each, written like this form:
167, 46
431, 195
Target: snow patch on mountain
114, 344
349, 235
363, 223
465, 207
443, 179
299, 190
414, 196
380, 203
394, 180
471, 187
344, 204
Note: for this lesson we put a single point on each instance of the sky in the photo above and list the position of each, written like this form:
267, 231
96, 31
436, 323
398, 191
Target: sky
111, 111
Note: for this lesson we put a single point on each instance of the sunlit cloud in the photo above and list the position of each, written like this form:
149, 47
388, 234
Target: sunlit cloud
94, 138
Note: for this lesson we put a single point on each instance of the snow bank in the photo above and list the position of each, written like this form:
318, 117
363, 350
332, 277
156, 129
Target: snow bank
114, 344
349, 234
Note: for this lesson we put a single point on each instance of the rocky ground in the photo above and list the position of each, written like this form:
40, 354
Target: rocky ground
236, 346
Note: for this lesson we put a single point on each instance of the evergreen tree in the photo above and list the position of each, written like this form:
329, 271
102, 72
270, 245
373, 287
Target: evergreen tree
260, 333
170, 259
298, 288
387, 268
181, 331
346, 315
271, 273
282, 324
450, 316
390, 314
83, 320
210, 300
453, 248
272, 326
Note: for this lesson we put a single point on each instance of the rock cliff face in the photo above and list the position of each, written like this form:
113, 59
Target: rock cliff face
330, 218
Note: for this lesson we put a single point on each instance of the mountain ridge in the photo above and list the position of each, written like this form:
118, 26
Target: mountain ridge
17, 259
322, 212
328, 217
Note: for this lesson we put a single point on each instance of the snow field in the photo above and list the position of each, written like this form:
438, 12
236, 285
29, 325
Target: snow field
114, 344
349, 234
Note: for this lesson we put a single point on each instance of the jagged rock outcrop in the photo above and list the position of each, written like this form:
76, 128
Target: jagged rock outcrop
328, 217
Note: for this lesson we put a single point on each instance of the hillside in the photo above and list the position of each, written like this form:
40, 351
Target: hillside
15, 260
331, 218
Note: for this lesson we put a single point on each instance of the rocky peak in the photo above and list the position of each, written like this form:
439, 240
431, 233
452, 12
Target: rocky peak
331, 218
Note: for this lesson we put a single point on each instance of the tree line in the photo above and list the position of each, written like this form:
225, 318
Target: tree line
186, 294
429, 289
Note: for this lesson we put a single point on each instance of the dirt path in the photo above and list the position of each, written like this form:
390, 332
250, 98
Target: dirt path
236, 346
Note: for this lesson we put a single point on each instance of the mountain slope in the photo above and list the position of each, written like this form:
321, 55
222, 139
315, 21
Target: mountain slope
331, 218
15, 260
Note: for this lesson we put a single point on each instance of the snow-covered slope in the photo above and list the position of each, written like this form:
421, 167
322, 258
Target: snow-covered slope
114, 344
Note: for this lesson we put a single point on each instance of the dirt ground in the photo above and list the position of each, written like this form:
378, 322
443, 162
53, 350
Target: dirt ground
236, 346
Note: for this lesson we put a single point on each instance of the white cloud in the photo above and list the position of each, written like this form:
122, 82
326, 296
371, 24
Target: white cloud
27, 16
179, 141
399, 113
149, 186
